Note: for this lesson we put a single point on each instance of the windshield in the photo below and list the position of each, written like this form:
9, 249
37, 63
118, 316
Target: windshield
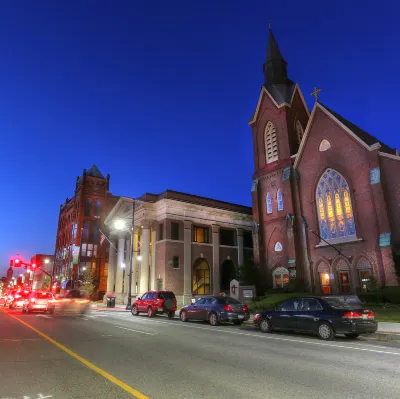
166, 295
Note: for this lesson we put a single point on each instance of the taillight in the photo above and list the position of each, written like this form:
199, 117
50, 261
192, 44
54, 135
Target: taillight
33, 300
352, 315
371, 315
227, 308
245, 308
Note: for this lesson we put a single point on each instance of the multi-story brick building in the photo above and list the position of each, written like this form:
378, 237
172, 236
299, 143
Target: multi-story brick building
78, 235
326, 194
185, 243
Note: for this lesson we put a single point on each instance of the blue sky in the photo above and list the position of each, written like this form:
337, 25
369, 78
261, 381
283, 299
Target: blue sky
158, 94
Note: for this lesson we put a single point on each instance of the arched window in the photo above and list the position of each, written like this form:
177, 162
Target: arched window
335, 213
88, 207
269, 203
299, 131
271, 144
279, 199
97, 209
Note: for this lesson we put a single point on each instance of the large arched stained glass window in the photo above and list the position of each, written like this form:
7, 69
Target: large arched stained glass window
335, 213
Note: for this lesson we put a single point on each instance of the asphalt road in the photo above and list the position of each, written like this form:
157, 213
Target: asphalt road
95, 355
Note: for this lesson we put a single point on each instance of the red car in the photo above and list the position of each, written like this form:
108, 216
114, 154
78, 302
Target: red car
156, 302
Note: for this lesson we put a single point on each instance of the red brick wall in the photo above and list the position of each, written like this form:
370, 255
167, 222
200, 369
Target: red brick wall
174, 277
390, 172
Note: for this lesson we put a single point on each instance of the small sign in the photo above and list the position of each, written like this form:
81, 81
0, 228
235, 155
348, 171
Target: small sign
234, 289
247, 293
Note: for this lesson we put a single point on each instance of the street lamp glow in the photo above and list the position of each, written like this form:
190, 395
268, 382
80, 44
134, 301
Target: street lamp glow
84, 268
46, 261
139, 257
122, 265
119, 224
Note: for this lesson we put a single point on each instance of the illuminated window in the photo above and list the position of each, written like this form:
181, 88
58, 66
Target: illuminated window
269, 203
271, 143
279, 199
200, 234
299, 131
335, 213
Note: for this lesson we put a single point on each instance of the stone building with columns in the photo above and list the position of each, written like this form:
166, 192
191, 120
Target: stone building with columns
188, 244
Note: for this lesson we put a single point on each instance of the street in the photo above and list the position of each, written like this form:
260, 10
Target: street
117, 355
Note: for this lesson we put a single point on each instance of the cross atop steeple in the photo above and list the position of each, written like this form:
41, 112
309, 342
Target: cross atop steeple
315, 93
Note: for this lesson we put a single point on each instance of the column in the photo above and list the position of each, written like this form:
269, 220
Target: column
216, 263
119, 269
187, 260
240, 247
111, 268
153, 260
144, 263
134, 263
127, 268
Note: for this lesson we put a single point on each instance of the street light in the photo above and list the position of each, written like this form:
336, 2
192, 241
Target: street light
46, 261
139, 257
121, 225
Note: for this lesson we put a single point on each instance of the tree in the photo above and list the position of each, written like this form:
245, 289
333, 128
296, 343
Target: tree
248, 273
46, 283
88, 282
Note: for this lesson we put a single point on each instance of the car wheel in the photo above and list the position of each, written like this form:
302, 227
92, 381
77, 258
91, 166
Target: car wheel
352, 335
150, 312
265, 326
213, 319
134, 310
237, 322
171, 315
183, 316
326, 332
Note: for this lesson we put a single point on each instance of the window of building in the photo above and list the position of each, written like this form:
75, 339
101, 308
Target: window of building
74, 229
97, 209
299, 131
174, 231
83, 249
160, 231
85, 231
88, 207
227, 237
280, 277
279, 198
335, 212
89, 252
269, 203
201, 234
247, 239
175, 262
271, 143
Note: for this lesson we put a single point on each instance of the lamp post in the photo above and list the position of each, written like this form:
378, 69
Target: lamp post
120, 225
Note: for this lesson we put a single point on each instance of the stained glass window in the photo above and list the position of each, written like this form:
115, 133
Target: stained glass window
335, 212
269, 203
279, 199
271, 143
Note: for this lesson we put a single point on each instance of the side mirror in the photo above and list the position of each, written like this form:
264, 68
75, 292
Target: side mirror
193, 301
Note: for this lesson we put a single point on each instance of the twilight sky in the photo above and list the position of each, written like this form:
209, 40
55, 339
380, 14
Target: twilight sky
159, 93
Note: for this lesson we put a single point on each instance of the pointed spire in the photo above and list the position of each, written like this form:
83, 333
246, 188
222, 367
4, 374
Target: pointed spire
94, 171
275, 65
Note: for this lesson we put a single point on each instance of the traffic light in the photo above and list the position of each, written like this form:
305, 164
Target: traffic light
33, 266
16, 262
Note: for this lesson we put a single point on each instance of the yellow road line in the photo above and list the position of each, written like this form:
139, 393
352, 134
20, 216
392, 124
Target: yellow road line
92, 366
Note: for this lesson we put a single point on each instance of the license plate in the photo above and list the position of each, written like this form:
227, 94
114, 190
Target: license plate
160, 309
41, 306
365, 316
241, 316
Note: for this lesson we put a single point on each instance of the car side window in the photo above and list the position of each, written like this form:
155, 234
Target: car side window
310, 305
292, 305
145, 296
208, 301
153, 295
200, 301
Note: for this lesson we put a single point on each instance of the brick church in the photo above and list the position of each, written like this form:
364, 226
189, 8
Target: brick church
325, 193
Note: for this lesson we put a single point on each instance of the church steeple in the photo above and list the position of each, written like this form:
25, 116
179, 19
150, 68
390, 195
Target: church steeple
274, 68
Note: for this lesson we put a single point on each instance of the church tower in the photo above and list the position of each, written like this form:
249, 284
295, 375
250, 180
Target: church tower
277, 124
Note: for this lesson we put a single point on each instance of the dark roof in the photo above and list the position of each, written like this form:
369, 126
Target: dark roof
195, 199
362, 134
273, 51
94, 172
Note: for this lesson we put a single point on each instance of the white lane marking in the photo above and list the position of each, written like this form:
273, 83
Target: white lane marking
130, 329
261, 335
45, 316
106, 335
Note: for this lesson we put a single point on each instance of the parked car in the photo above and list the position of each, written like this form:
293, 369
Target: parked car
38, 301
324, 316
216, 309
155, 302
18, 299
73, 302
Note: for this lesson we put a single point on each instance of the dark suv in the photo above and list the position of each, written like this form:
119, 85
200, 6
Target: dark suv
155, 302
